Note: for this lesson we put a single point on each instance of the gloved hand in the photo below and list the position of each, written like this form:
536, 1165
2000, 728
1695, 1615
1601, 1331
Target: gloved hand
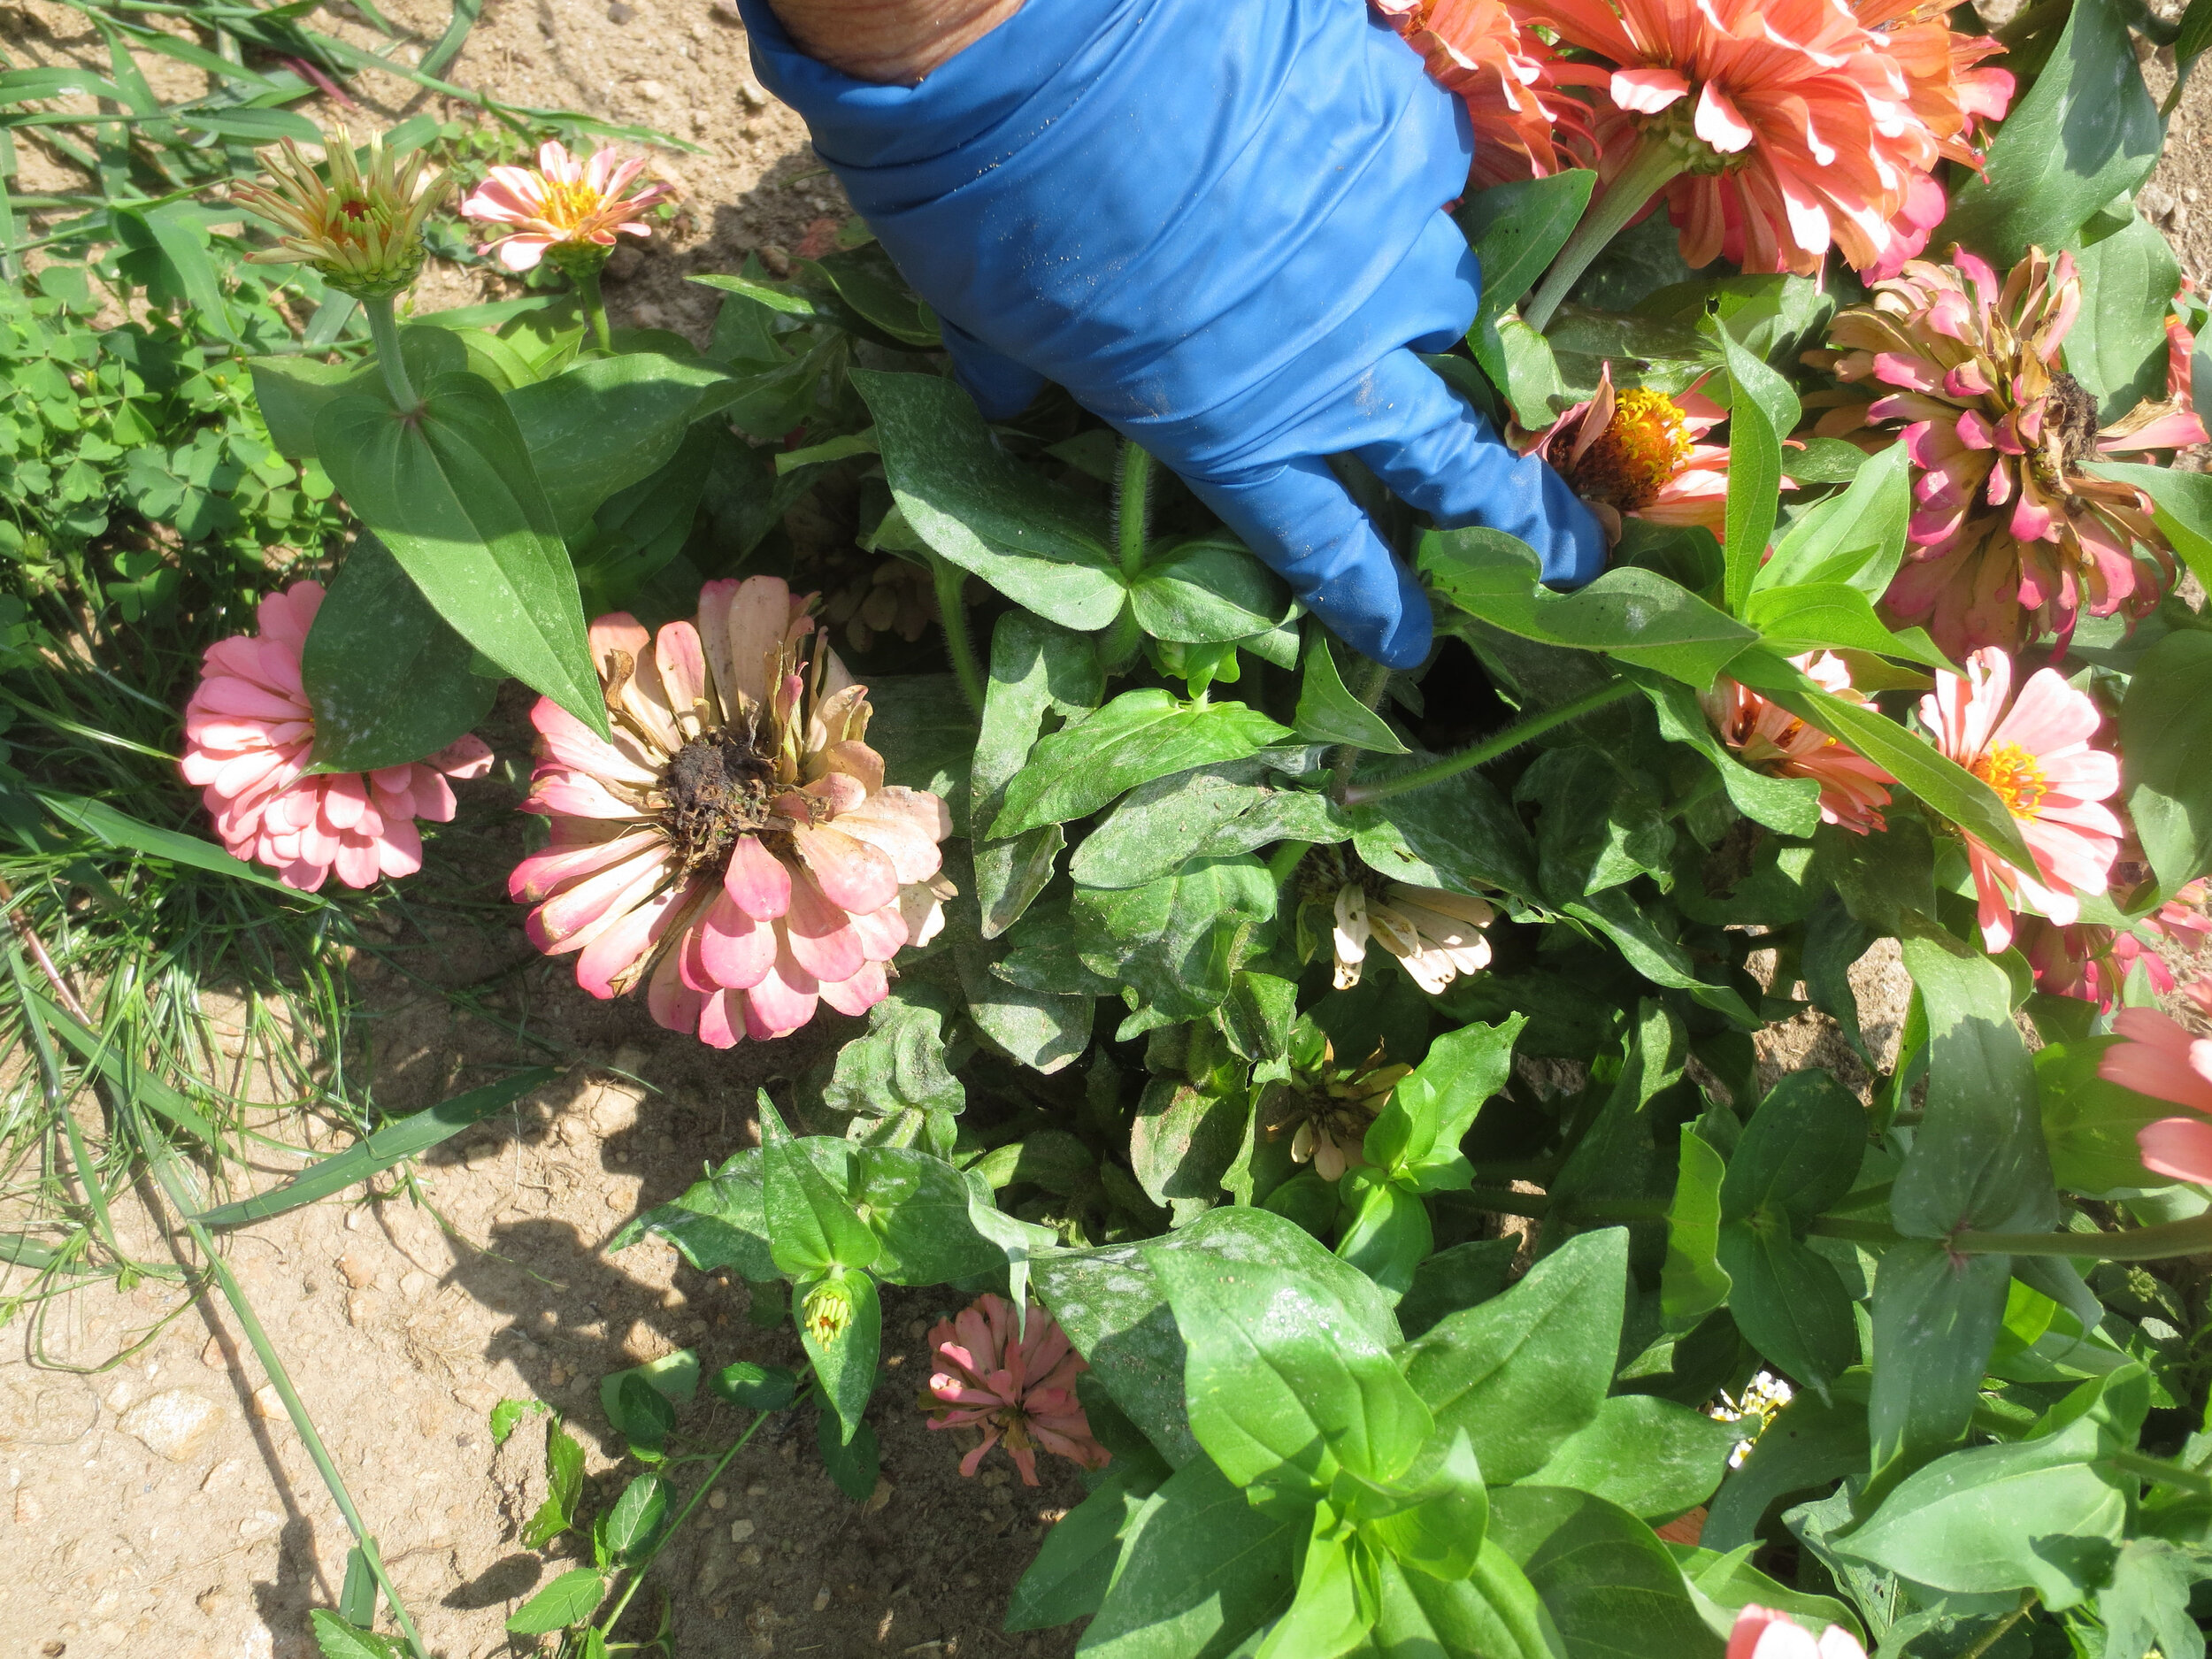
1220, 227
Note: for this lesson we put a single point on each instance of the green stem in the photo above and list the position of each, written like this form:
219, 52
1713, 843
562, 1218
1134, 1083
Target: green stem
2130, 1244
1133, 492
595, 306
1489, 749
1372, 679
1996, 1632
637, 1575
950, 582
1283, 863
2153, 1469
385, 330
1654, 165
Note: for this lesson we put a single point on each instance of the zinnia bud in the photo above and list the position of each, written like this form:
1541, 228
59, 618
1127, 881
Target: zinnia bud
827, 1310
361, 231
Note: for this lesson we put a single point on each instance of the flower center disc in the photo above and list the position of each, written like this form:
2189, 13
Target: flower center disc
717, 788
2073, 409
1641, 448
570, 205
2016, 776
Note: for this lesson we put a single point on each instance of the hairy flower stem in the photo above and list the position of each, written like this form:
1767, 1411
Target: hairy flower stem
1373, 680
1657, 164
1133, 492
1997, 1631
385, 332
950, 581
1490, 748
594, 305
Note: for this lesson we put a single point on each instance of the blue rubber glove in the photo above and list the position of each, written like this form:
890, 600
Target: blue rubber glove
1220, 227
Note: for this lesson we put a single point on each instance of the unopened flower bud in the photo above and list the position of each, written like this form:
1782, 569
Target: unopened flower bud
827, 1310
361, 231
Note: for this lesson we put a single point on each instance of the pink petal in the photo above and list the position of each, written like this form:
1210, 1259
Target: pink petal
819, 935
860, 992
854, 876
2179, 1147
735, 951
756, 880
1646, 91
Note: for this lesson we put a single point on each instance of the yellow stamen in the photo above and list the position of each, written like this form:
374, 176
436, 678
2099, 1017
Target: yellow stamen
1645, 444
570, 206
2016, 775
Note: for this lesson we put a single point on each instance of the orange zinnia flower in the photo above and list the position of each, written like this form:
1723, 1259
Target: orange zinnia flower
1769, 738
1505, 74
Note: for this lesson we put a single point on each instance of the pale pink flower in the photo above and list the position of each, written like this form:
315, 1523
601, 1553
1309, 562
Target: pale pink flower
1016, 1388
1505, 74
249, 736
1769, 738
735, 847
564, 207
2162, 1058
1762, 1632
2034, 752
1642, 452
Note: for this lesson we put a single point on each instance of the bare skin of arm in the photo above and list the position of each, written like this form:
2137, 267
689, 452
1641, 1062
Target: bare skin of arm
894, 42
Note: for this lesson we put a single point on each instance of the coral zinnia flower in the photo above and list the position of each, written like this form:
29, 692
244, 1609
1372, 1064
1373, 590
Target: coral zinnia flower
1793, 125
1018, 1389
1435, 935
735, 845
1769, 738
1760, 1632
1641, 452
1505, 74
2009, 535
2034, 752
2161, 1058
2090, 963
248, 734
568, 210
361, 231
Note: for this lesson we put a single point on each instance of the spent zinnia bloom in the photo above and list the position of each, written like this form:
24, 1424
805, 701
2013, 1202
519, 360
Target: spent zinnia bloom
1326, 1107
2010, 536
2035, 751
1762, 1632
564, 209
1019, 1389
2160, 1057
1504, 73
1641, 452
1797, 125
734, 848
1435, 935
1769, 738
249, 736
362, 232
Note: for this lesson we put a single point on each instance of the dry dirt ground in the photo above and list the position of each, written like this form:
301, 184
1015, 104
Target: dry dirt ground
164, 1505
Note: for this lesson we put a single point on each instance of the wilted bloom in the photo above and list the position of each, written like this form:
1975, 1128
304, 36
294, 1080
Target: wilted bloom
735, 848
1641, 452
1435, 935
564, 209
362, 232
1760, 1632
2161, 1057
2009, 535
1769, 738
1019, 1389
887, 595
1505, 74
1327, 1107
2034, 752
249, 736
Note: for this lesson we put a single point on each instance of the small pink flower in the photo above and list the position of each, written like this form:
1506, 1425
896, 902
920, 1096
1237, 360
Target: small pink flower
2034, 752
1018, 1389
1762, 1632
248, 737
1769, 738
2162, 1058
564, 207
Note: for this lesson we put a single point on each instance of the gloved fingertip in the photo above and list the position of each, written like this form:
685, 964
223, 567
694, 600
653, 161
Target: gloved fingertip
1576, 556
1404, 643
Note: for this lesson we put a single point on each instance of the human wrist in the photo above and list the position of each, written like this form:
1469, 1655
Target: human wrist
892, 42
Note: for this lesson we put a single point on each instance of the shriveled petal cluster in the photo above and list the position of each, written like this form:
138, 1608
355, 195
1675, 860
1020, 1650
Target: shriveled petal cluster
1328, 1108
2035, 751
361, 231
1435, 935
2010, 536
1506, 76
1804, 124
1763, 1632
1019, 1389
2162, 1058
1769, 738
569, 209
735, 848
248, 734
1639, 452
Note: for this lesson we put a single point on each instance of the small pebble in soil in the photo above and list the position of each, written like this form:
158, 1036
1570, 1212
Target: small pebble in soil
740, 1531
822, 1599
619, 13
718, 1500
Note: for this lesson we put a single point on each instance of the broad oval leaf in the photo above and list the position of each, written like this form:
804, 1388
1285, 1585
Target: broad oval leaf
1139, 736
569, 1600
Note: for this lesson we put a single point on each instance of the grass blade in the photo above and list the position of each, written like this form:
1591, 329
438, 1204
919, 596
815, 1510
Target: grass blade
113, 828
126, 1075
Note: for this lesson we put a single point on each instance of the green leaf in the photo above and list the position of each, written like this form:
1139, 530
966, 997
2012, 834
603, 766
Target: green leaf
1208, 592
569, 1600
1692, 1282
1068, 1577
1522, 1371
1801, 1152
388, 680
1387, 1234
563, 1487
1609, 1584
866, 281
1460, 834
1521, 363
1935, 1320
1327, 713
812, 1225
899, 1065
719, 1222
340, 1639
1036, 668
980, 508
381, 1149
919, 1207
1179, 942
1805, 1448
1461, 1277
1652, 1457
2089, 1125
1602, 822
1139, 736
1831, 616
1207, 812
2168, 787
2117, 345
2086, 133
507, 1415
756, 1387
1495, 1612
1635, 615
1441, 1532
605, 423
1789, 1302
2146, 1605
1761, 412
1517, 229
2181, 506
1184, 1139
112, 828
453, 495
855, 1464
1791, 805
1325, 1619
291, 392
845, 1365
1437, 1100
634, 1523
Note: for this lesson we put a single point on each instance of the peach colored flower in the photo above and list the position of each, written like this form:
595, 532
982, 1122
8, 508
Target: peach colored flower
1505, 75
248, 734
1642, 452
2010, 537
1769, 738
1760, 1632
2162, 1058
1019, 1389
2034, 752
568, 210
1797, 125
735, 847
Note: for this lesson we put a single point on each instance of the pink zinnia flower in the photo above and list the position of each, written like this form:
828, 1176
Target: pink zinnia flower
248, 734
735, 847
563, 208
1760, 1632
1018, 1389
2010, 536
1642, 452
2164, 1059
1505, 75
2034, 752
1769, 738
2092, 964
